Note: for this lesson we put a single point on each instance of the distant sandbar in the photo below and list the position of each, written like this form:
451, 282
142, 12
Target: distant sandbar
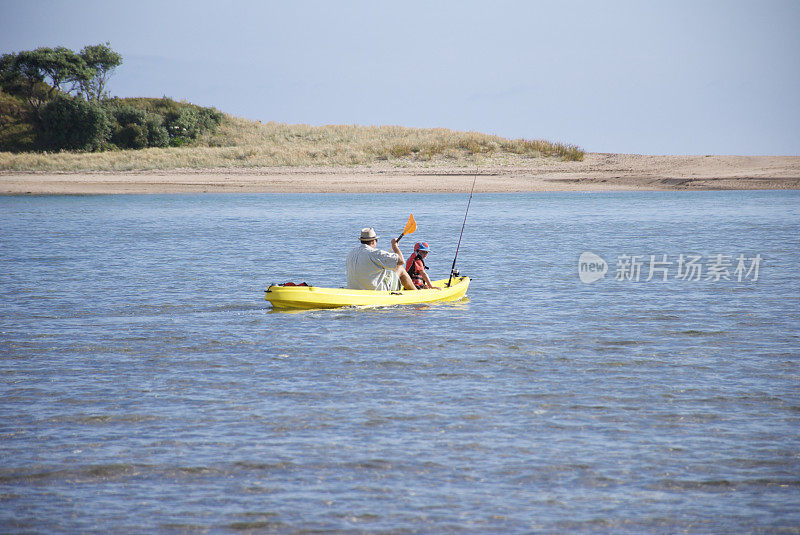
597, 172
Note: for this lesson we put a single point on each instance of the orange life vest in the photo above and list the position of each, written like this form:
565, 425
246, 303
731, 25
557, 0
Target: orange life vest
415, 266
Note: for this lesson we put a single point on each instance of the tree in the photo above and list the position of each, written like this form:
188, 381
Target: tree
102, 61
23, 75
87, 72
42, 75
8, 69
56, 66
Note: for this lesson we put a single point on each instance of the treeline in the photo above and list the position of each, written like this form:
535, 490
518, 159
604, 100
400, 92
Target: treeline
56, 99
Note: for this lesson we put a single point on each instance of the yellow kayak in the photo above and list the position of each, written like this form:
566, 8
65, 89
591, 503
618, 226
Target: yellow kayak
314, 297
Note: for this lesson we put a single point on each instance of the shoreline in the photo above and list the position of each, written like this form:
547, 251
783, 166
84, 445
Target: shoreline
597, 172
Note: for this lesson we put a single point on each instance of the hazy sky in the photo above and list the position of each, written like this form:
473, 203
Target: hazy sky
656, 77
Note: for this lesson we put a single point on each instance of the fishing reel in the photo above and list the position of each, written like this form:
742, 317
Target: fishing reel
454, 274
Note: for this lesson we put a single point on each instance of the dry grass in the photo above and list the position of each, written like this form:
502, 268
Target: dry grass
242, 143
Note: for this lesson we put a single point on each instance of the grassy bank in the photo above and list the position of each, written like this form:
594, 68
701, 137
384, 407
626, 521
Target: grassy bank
239, 143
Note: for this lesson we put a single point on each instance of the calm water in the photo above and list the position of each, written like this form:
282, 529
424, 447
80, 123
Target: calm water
146, 386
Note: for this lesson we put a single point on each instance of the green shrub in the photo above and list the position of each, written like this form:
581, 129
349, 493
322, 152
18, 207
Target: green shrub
185, 123
128, 130
126, 115
182, 125
74, 124
209, 118
69, 124
137, 127
133, 136
157, 135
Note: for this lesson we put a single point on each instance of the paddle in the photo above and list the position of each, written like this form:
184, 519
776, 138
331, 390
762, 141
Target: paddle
411, 227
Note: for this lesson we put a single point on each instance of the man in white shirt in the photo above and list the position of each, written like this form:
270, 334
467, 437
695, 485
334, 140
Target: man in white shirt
369, 268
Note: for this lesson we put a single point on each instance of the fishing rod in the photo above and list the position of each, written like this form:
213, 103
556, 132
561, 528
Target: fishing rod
453, 267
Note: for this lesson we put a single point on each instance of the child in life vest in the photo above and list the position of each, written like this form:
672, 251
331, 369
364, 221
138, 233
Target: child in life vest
415, 266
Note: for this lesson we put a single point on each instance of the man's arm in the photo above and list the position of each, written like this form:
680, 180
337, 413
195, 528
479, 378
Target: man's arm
400, 261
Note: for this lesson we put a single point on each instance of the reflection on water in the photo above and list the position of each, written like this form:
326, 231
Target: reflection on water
421, 307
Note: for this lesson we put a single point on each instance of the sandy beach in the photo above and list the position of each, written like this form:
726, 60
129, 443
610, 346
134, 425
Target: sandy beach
597, 172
